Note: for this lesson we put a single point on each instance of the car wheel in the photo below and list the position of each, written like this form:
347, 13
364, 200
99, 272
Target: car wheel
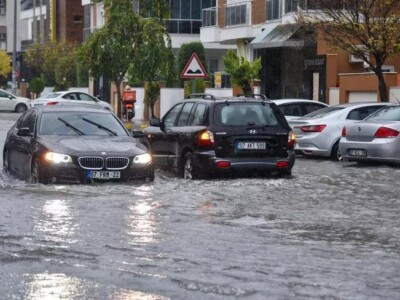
35, 172
6, 161
335, 153
21, 108
189, 169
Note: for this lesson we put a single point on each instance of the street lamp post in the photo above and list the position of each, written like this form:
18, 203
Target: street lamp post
14, 57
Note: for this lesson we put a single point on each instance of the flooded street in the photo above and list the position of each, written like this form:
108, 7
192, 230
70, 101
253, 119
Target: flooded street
332, 231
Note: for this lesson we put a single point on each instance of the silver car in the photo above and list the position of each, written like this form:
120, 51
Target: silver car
374, 139
295, 108
318, 133
10, 102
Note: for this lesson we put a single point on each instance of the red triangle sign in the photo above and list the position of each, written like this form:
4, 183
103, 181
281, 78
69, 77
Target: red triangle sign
194, 68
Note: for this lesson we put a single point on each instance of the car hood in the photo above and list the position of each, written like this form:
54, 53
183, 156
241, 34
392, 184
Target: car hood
92, 145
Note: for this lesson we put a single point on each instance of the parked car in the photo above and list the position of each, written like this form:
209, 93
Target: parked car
318, 133
295, 108
374, 139
69, 144
70, 97
10, 102
205, 136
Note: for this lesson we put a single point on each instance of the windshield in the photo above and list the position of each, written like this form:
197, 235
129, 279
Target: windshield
390, 113
50, 96
245, 114
82, 123
322, 112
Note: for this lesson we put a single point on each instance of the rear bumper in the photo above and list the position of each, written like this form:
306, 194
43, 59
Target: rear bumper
207, 162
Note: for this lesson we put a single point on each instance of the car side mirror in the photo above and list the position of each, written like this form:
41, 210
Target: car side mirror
24, 131
138, 134
156, 122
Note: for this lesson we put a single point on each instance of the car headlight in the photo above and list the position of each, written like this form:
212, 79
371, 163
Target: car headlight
57, 158
142, 159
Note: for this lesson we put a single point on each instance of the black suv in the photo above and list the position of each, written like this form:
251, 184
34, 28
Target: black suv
204, 136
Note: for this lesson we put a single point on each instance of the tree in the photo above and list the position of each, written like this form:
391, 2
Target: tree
152, 93
5, 67
110, 50
36, 86
242, 71
55, 61
369, 29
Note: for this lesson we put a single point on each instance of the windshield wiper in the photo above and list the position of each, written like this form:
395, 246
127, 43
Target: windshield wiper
110, 132
71, 126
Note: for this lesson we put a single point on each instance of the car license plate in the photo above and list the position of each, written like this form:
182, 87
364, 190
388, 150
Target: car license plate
104, 174
251, 146
357, 152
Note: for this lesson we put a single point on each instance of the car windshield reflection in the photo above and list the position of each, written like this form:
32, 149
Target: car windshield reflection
80, 123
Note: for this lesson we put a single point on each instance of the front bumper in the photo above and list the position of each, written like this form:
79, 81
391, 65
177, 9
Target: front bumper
71, 173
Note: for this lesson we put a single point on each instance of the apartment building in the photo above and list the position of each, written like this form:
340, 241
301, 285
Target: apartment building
295, 63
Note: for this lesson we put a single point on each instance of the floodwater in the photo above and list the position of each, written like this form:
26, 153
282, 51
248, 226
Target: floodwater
332, 231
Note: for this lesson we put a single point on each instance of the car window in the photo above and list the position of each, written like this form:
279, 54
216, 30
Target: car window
197, 116
170, 118
50, 124
292, 109
185, 113
3, 94
243, 114
85, 97
28, 121
320, 113
51, 95
362, 112
71, 96
311, 107
391, 113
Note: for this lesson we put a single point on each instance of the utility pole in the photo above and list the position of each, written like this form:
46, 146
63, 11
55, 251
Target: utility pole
14, 57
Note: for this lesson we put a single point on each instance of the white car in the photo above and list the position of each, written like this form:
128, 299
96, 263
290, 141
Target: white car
318, 133
10, 102
70, 97
295, 108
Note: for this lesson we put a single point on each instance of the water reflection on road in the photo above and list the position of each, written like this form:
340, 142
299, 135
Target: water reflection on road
330, 232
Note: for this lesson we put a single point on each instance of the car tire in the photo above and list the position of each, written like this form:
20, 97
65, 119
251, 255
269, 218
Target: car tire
189, 169
335, 153
6, 161
35, 172
21, 108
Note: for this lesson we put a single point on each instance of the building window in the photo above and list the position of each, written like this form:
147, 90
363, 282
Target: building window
78, 19
273, 10
2, 7
236, 14
3, 41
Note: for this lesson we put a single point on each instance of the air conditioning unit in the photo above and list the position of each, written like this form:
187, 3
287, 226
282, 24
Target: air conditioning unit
355, 58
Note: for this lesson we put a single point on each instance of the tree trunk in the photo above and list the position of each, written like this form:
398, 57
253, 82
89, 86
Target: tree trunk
383, 91
152, 109
119, 98
247, 88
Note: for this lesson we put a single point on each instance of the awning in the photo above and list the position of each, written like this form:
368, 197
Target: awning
279, 36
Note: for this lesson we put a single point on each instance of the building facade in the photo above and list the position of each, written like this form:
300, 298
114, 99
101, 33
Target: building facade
295, 63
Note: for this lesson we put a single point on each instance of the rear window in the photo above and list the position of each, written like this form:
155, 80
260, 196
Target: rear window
244, 114
323, 112
391, 113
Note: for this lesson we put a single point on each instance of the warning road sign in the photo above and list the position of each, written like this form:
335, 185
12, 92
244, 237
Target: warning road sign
194, 68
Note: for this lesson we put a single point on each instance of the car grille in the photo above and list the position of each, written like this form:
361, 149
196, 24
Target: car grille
98, 163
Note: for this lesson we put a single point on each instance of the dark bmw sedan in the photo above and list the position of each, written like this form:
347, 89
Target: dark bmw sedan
74, 144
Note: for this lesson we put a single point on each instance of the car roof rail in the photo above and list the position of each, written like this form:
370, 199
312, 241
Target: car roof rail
202, 95
260, 96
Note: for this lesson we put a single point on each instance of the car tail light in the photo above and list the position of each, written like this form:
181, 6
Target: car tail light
223, 164
384, 132
292, 140
344, 131
312, 128
282, 164
52, 103
205, 139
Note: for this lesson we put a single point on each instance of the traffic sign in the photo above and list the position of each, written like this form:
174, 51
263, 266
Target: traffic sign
194, 68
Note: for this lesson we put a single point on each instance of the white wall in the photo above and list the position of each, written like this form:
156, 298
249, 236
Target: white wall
362, 97
169, 97
394, 94
219, 92
334, 94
